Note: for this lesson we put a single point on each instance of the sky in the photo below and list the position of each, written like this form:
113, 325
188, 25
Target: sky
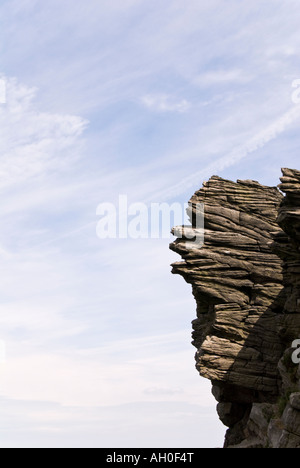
127, 98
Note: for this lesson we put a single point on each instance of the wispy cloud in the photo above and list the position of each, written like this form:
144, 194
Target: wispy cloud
223, 76
258, 141
165, 103
33, 142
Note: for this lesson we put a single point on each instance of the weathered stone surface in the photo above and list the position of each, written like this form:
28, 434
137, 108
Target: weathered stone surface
246, 283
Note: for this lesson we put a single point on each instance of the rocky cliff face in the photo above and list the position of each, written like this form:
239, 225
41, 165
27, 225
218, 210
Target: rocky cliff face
246, 282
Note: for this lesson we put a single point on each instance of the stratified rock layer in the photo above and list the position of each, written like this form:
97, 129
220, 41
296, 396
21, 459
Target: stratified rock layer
246, 282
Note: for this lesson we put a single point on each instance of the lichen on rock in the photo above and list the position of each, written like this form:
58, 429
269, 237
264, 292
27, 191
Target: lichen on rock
246, 283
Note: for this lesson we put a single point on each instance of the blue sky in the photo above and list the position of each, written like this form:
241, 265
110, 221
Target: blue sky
129, 97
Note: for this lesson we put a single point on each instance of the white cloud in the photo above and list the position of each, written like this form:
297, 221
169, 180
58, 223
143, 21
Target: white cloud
165, 103
258, 141
32, 142
223, 76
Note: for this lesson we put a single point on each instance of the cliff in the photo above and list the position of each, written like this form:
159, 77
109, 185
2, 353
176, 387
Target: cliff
246, 283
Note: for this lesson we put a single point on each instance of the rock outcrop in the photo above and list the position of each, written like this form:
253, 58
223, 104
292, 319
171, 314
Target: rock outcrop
246, 283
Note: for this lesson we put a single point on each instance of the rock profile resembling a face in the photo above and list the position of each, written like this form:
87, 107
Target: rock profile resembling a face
245, 280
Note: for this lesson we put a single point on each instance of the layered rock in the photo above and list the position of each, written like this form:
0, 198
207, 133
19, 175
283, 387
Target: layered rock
245, 279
